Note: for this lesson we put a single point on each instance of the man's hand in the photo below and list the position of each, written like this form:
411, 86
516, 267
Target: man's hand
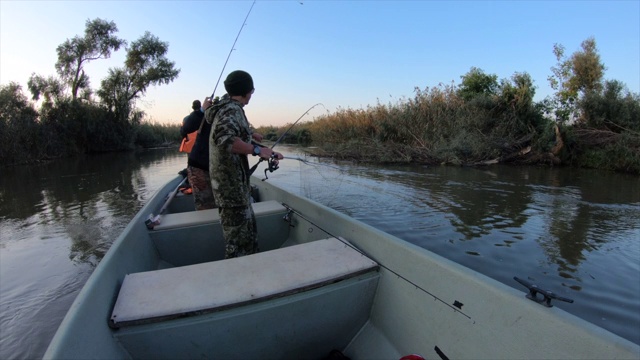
206, 103
257, 137
267, 153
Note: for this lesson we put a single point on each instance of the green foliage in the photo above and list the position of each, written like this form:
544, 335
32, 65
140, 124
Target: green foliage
114, 93
299, 134
588, 70
270, 133
608, 133
151, 135
621, 154
15, 108
97, 43
304, 137
271, 136
476, 83
614, 109
518, 93
68, 128
18, 123
574, 77
51, 89
146, 65
565, 96
545, 138
439, 125
65, 126
514, 102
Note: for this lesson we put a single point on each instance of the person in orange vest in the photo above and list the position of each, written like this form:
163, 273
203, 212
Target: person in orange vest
198, 160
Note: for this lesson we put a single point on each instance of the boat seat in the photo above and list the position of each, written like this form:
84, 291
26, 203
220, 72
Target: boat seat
196, 237
159, 295
194, 218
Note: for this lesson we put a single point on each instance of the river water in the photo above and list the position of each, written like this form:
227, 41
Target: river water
574, 232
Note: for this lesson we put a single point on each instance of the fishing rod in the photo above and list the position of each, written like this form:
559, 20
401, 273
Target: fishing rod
232, 48
273, 164
307, 162
292, 125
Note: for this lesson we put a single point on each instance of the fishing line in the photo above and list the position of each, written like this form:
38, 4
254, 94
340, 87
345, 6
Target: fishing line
232, 48
307, 162
327, 184
272, 166
346, 243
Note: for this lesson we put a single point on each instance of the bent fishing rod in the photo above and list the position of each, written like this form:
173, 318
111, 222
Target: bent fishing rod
275, 167
232, 48
272, 162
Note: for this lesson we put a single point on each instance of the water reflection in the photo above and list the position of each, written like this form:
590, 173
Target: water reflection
86, 197
583, 218
484, 201
564, 211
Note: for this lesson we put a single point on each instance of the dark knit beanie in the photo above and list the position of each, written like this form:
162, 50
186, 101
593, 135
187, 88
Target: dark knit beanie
196, 105
238, 83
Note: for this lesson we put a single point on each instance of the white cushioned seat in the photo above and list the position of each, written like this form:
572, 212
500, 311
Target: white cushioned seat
203, 288
193, 218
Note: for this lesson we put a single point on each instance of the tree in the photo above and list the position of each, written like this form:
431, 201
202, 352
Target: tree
574, 77
146, 64
18, 125
614, 108
14, 106
588, 71
476, 82
50, 88
518, 92
515, 102
98, 43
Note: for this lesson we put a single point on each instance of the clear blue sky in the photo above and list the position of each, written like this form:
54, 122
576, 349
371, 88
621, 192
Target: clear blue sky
343, 54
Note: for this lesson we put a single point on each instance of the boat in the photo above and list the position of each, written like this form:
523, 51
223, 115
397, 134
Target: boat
322, 286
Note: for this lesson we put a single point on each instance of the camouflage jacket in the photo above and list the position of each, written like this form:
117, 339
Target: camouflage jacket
229, 172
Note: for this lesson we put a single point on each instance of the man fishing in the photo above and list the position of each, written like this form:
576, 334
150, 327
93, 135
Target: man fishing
229, 146
198, 160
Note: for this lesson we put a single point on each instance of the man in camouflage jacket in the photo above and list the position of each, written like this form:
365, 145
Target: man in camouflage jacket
229, 145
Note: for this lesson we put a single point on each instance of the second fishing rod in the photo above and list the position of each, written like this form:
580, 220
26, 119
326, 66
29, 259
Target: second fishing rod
272, 162
196, 131
231, 50
191, 137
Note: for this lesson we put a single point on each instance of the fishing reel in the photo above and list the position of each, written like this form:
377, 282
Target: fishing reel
272, 165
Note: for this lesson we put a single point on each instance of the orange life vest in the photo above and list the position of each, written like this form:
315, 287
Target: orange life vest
188, 141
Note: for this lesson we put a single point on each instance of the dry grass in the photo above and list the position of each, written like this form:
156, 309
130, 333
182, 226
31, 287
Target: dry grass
435, 126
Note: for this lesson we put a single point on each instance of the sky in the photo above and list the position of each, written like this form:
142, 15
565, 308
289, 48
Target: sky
342, 54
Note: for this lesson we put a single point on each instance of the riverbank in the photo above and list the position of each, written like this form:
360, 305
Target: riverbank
617, 156
439, 126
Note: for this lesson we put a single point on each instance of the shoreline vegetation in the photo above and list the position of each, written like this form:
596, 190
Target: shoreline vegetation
588, 122
439, 127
